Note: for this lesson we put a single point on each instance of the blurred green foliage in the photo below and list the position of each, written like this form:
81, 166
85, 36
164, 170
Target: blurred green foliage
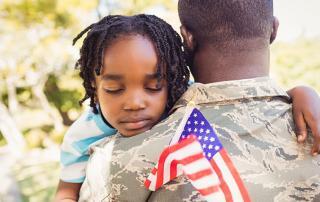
64, 92
38, 182
29, 12
297, 63
131, 7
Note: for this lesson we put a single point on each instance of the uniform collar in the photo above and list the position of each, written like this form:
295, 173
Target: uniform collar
220, 93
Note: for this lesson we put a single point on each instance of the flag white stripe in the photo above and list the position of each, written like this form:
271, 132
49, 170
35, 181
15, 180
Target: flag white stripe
228, 178
215, 197
153, 179
182, 153
205, 182
198, 165
179, 170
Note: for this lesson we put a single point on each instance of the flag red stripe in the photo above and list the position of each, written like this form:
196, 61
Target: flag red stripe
191, 159
209, 190
147, 183
200, 174
173, 169
154, 171
235, 175
166, 152
223, 185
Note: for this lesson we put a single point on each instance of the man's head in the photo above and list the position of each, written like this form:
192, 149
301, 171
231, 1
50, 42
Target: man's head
227, 21
227, 34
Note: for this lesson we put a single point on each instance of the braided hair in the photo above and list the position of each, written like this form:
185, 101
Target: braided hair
171, 61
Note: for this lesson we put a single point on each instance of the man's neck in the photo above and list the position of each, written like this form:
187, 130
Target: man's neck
212, 66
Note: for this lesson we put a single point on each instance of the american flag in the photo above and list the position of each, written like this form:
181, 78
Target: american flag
225, 183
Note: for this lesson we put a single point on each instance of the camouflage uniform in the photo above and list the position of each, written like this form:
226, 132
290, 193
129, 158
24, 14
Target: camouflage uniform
253, 120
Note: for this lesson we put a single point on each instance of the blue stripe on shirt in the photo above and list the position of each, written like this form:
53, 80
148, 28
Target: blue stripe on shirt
102, 125
83, 145
67, 158
78, 180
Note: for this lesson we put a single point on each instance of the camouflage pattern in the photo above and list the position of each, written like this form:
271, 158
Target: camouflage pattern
253, 120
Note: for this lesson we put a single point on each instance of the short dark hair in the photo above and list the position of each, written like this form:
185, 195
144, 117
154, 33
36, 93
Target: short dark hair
171, 61
226, 20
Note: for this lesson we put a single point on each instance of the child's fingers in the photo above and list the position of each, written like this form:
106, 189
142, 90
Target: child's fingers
300, 124
315, 128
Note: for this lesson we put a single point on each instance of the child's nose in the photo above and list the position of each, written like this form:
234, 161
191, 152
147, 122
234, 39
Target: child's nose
135, 102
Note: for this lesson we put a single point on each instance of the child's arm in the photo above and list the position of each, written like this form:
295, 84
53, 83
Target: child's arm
67, 192
88, 130
306, 112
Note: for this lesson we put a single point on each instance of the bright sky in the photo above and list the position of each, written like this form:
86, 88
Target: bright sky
297, 18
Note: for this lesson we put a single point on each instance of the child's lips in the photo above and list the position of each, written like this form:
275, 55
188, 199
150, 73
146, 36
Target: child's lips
135, 123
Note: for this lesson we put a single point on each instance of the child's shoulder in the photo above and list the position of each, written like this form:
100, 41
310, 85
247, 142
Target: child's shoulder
88, 125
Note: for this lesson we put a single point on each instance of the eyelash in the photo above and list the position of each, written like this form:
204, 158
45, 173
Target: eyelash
118, 91
154, 89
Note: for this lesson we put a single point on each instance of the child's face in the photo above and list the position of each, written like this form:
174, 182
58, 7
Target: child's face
128, 91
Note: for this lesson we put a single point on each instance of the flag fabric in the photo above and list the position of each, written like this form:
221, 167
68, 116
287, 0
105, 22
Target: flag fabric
230, 186
189, 157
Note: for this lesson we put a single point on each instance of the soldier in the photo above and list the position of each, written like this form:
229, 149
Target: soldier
228, 45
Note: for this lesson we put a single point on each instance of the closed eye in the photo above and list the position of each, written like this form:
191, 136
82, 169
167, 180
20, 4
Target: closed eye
113, 91
154, 89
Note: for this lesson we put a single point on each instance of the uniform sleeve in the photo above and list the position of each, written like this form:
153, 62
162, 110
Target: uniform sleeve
85, 132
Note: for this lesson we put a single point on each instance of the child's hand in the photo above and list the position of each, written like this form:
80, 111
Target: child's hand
306, 112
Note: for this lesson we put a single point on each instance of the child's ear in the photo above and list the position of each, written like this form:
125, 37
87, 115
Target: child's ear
188, 38
94, 86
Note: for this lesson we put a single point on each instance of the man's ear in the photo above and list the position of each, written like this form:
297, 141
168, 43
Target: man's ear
188, 38
275, 26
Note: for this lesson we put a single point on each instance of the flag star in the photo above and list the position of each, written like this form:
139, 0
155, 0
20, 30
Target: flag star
202, 123
210, 146
206, 138
189, 129
217, 148
207, 131
195, 122
201, 130
195, 115
204, 146
188, 122
200, 137
212, 139
195, 130
209, 155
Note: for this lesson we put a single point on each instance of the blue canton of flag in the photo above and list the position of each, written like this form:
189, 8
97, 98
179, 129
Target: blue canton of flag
198, 125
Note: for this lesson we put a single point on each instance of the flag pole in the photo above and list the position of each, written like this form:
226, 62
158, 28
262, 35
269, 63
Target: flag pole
190, 106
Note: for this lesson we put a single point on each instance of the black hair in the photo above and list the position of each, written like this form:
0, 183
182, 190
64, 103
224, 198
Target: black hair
171, 61
219, 21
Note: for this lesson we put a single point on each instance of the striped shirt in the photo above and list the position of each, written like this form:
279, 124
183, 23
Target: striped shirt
86, 131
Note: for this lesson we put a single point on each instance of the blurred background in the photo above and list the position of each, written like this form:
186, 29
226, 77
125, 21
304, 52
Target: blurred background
40, 89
